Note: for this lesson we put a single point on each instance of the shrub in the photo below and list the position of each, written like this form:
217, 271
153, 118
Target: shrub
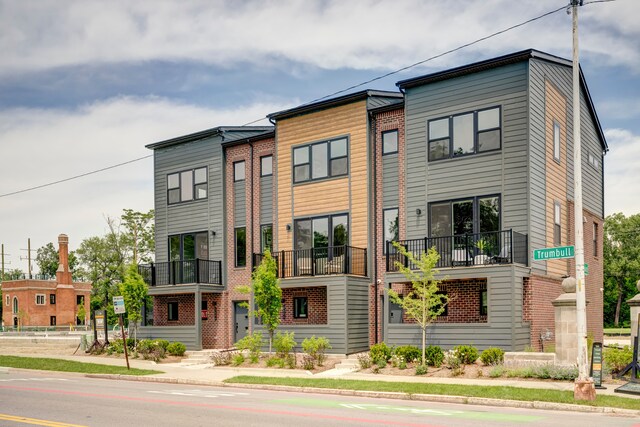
316, 347
421, 369
284, 344
275, 361
468, 354
222, 358
380, 363
151, 350
380, 351
395, 360
492, 356
237, 359
364, 360
308, 362
409, 353
163, 343
402, 364
434, 355
290, 361
252, 343
453, 360
615, 358
176, 349
496, 371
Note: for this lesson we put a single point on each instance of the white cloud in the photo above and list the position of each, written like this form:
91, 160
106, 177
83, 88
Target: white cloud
364, 34
38, 146
622, 179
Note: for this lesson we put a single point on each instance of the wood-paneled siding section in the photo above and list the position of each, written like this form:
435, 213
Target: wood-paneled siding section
556, 174
197, 215
561, 77
501, 172
504, 327
347, 194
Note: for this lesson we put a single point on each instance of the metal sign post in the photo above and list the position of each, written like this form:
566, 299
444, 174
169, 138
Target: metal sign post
119, 309
596, 365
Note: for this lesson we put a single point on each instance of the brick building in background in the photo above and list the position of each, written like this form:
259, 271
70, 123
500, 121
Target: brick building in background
46, 303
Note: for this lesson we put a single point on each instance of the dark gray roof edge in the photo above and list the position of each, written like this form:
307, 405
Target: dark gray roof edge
208, 133
499, 61
389, 107
333, 102
258, 137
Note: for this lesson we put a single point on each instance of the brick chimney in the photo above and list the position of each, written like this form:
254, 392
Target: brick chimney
63, 275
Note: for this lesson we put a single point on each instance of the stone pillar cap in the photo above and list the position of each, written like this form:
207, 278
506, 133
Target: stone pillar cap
569, 285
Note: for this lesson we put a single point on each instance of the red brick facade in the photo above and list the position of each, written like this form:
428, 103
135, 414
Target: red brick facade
538, 294
317, 306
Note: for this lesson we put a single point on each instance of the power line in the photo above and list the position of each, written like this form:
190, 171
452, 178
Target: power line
75, 177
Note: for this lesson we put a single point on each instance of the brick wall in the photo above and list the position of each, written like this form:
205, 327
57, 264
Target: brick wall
316, 305
186, 310
464, 300
539, 292
388, 120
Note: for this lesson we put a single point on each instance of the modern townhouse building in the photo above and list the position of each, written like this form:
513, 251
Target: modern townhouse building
476, 161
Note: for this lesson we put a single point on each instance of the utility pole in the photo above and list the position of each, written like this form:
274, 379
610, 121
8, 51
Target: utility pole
584, 387
28, 258
3, 254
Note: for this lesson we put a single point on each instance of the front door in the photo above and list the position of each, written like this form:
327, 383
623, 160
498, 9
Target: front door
241, 321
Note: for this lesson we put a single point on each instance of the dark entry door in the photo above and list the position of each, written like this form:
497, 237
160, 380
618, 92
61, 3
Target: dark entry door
241, 321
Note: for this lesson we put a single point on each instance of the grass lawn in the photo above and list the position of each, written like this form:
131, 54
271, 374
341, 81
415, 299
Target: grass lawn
617, 331
495, 392
46, 364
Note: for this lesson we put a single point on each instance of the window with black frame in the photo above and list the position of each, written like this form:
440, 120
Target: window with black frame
320, 160
391, 229
300, 308
184, 250
187, 185
266, 237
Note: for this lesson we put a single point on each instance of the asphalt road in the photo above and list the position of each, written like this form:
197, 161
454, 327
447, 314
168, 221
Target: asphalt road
62, 400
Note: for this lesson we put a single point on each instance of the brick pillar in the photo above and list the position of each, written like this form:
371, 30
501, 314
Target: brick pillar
63, 275
65, 293
634, 305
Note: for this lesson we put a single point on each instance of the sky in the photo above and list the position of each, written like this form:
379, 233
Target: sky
85, 85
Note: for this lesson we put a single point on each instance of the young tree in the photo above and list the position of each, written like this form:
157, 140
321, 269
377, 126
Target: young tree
423, 303
267, 294
81, 314
134, 290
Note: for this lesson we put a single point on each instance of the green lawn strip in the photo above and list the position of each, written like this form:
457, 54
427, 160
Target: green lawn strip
46, 364
617, 331
493, 392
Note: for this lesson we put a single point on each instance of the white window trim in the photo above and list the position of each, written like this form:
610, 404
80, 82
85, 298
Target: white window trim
44, 299
556, 141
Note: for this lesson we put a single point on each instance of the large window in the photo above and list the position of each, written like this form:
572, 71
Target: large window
320, 160
266, 237
321, 232
464, 134
557, 224
241, 246
466, 216
391, 227
189, 246
187, 185
266, 166
300, 308
390, 142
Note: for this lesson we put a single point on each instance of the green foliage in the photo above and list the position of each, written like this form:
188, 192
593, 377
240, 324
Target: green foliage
409, 353
615, 359
497, 371
434, 355
139, 234
151, 350
176, 349
380, 351
81, 313
364, 360
423, 303
275, 361
48, 260
290, 361
237, 359
284, 344
163, 343
308, 362
134, 291
253, 343
421, 369
492, 356
381, 363
468, 354
454, 362
316, 348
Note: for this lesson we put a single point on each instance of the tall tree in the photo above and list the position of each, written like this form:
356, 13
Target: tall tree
48, 260
139, 234
621, 263
134, 290
422, 303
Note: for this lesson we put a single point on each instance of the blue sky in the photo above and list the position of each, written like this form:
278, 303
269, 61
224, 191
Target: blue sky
87, 84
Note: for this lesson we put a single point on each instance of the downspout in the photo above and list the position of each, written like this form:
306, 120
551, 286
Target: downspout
374, 125
251, 199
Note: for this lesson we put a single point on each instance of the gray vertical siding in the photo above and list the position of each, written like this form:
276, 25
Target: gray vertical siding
502, 172
199, 215
266, 199
357, 316
504, 327
390, 178
239, 204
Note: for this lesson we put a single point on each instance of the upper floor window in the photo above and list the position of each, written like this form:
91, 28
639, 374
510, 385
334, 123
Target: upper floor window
187, 185
556, 141
320, 160
52, 299
595, 239
266, 237
465, 216
390, 142
40, 299
390, 227
593, 161
464, 134
321, 232
238, 171
557, 224
240, 247
189, 246
266, 166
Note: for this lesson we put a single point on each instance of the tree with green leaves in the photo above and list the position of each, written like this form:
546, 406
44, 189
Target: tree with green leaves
81, 314
267, 294
48, 260
134, 291
422, 303
138, 234
621, 264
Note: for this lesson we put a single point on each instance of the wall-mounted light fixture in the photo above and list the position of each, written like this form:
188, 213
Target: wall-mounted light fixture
213, 233
418, 211
288, 227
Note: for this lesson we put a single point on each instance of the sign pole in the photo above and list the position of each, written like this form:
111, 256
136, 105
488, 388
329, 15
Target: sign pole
124, 340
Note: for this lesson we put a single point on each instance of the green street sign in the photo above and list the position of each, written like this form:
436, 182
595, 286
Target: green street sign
553, 253
586, 269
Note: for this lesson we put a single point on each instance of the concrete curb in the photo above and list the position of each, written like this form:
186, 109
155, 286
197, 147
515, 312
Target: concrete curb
482, 401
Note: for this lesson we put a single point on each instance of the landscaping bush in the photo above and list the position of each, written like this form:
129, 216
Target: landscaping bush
237, 359
468, 354
151, 350
616, 358
454, 362
163, 343
290, 361
284, 344
253, 343
492, 356
316, 348
496, 371
308, 362
421, 369
409, 353
380, 363
380, 351
176, 349
365, 361
434, 355
275, 361
222, 359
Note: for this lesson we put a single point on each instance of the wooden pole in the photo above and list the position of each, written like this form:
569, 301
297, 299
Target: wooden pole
124, 340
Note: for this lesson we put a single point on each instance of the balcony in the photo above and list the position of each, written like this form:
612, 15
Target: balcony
498, 247
191, 271
319, 261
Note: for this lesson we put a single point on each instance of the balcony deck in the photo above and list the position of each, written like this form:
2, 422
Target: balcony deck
466, 250
193, 271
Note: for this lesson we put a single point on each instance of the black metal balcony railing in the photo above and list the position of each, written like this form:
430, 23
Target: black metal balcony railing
498, 247
181, 272
319, 261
